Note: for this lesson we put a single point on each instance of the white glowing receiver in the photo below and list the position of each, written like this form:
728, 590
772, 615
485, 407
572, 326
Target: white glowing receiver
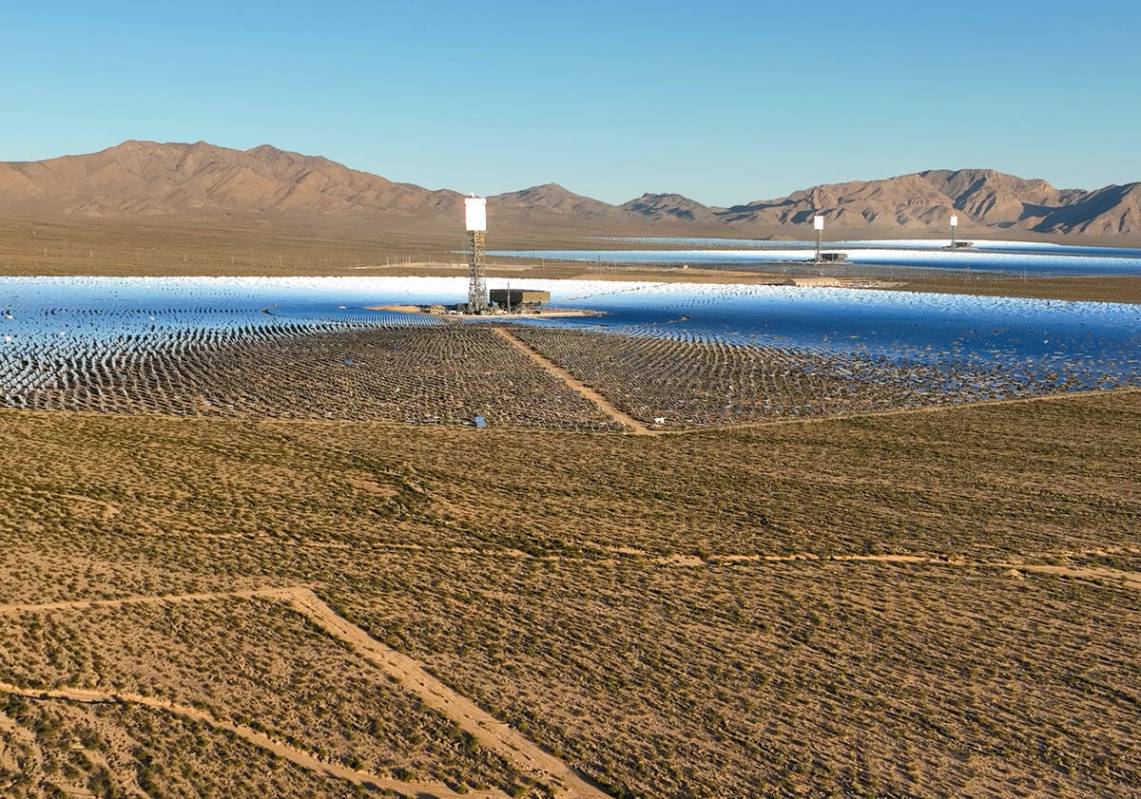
475, 213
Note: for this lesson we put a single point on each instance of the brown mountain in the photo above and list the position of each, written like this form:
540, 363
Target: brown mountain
151, 179
553, 198
983, 199
171, 180
1112, 211
906, 204
988, 196
671, 207
551, 206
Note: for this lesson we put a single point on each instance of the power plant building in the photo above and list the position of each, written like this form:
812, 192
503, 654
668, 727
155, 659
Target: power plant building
519, 298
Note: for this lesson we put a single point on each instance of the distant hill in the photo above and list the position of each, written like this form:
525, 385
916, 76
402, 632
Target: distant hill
672, 207
151, 179
553, 198
551, 206
923, 202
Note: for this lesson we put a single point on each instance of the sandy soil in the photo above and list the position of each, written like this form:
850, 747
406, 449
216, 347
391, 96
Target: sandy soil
932, 602
261, 740
407, 672
481, 725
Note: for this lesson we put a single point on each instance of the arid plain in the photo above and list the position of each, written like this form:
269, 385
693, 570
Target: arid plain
251, 571
927, 603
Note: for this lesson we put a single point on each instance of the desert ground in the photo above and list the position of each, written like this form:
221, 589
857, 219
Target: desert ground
934, 602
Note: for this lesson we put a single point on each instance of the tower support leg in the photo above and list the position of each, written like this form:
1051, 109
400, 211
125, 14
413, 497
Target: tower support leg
477, 269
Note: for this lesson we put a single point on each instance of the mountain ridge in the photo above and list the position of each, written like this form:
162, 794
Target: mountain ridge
165, 179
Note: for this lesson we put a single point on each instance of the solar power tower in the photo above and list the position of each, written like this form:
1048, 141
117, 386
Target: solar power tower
475, 214
818, 226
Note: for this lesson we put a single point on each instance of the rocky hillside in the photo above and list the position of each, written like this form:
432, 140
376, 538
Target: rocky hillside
982, 198
149, 178
136, 179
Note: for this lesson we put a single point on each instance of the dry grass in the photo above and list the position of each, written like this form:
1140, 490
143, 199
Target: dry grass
975, 482
531, 571
52, 750
253, 662
818, 679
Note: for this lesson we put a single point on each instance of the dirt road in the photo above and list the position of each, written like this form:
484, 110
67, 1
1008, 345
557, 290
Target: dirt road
490, 733
603, 404
494, 735
481, 725
87, 604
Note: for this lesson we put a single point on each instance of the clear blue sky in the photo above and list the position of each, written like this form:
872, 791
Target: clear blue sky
725, 102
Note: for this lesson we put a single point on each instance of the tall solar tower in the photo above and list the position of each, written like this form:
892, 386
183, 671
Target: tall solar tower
818, 226
475, 214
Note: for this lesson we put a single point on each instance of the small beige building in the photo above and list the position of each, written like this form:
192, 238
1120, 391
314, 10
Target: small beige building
519, 298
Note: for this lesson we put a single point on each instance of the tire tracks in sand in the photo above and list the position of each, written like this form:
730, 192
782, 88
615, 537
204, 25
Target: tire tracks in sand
497, 736
1127, 579
527, 756
149, 599
488, 731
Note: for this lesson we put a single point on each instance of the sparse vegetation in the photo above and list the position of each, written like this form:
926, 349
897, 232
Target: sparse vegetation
578, 587
253, 662
738, 680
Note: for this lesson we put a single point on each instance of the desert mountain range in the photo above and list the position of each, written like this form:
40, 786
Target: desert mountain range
141, 179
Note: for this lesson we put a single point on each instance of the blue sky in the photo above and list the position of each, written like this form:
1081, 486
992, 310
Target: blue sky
724, 102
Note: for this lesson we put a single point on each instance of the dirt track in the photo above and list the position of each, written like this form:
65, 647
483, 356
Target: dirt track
85, 604
624, 419
495, 735
905, 411
482, 726
1127, 579
490, 733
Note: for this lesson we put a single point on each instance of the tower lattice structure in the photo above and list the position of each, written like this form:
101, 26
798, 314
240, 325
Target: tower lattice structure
477, 272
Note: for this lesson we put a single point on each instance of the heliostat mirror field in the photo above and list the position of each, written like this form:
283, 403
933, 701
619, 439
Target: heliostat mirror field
673, 355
